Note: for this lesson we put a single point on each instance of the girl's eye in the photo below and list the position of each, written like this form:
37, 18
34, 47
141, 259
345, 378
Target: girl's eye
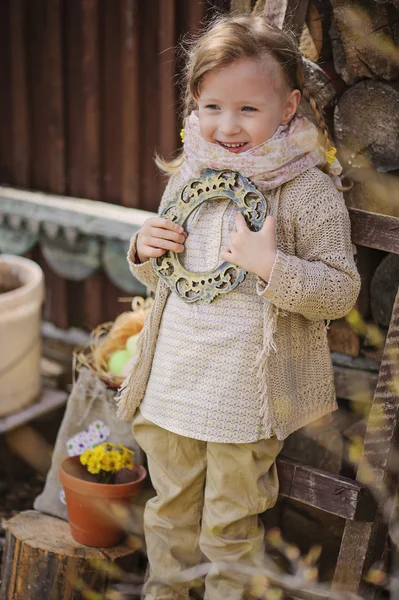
212, 106
249, 108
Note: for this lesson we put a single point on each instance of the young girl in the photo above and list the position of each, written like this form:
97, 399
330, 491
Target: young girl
221, 384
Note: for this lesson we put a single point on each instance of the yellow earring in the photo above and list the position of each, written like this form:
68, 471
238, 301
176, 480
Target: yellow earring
182, 135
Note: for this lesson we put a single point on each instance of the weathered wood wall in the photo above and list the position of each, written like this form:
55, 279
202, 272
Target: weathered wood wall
88, 93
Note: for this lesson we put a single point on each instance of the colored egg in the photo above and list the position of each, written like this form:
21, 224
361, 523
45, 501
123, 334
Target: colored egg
117, 361
131, 344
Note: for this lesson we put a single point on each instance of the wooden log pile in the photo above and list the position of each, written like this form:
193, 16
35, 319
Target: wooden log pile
352, 52
351, 49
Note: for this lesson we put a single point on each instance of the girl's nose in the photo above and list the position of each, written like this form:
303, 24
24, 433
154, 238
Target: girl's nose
229, 125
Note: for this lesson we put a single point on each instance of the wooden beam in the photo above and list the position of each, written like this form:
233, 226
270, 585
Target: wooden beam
287, 13
19, 94
240, 7
326, 491
50, 400
166, 72
130, 99
363, 543
30, 445
375, 230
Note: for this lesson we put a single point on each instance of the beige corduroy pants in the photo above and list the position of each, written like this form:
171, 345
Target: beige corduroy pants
209, 496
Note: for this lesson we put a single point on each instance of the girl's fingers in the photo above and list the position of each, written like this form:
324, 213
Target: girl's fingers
153, 252
159, 235
226, 255
164, 244
167, 234
161, 223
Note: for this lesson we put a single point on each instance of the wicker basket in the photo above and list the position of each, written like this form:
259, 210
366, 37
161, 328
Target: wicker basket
109, 337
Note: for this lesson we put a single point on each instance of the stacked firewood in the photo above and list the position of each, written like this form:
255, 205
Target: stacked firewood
352, 61
355, 43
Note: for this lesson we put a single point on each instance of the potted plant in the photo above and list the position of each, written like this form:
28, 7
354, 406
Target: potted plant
99, 485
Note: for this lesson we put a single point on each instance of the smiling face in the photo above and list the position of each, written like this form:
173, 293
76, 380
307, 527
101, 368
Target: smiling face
241, 106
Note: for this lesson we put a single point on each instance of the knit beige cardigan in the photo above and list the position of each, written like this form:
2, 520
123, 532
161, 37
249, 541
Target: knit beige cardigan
314, 279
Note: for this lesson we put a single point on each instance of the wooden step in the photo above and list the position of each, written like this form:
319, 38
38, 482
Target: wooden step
329, 492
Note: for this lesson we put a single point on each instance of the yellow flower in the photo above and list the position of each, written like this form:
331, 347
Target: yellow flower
93, 465
107, 458
85, 457
107, 462
182, 135
330, 155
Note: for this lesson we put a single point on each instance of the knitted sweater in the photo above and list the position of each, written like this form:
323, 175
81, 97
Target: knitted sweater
314, 278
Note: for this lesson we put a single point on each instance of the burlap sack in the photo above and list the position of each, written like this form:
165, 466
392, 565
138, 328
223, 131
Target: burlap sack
90, 401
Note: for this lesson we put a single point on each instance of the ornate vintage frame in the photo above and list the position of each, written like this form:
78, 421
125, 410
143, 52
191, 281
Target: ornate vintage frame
211, 185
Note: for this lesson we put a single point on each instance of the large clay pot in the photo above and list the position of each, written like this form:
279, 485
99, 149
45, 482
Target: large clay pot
96, 510
20, 343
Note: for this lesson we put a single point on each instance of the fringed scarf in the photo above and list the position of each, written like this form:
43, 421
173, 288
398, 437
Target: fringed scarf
292, 150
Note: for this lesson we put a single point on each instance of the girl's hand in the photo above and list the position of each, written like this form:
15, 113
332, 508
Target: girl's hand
158, 235
252, 251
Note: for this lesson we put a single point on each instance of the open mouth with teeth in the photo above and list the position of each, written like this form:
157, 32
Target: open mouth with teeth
236, 147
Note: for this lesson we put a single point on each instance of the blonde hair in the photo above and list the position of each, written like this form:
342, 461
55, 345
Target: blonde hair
231, 38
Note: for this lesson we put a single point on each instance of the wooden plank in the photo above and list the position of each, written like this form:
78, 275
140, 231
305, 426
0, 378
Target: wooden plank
374, 230
359, 363
29, 445
326, 491
6, 134
240, 7
112, 306
196, 12
48, 143
111, 97
168, 128
150, 104
49, 401
93, 301
291, 13
74, 124
83, 98
19, 93
47, 90
77, 152
130, 99
363, 543
91, 97
92, 290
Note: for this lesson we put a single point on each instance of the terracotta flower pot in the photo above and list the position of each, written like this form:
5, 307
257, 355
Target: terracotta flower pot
96, 511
